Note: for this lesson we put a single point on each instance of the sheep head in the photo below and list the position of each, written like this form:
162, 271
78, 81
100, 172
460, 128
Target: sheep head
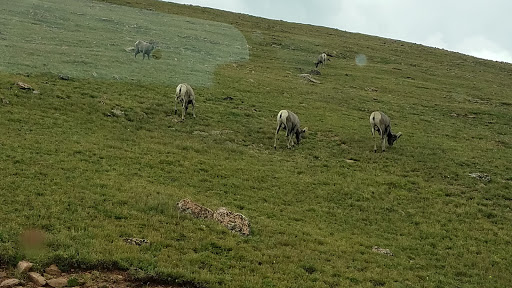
300, 133
393, 137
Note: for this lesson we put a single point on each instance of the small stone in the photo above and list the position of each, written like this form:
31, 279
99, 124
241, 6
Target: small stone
235, 222
117, 112
199, 133
315, 72
53, 270
58, 283
36, 278
23, 86
198, 211
382, 251
371, 89
9, 283
136, 241
23, 266
481, 176
63, 77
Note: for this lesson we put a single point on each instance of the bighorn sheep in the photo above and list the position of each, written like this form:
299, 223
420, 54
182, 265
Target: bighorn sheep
185, 95
380, 122
290, 121
321, 60
145, 48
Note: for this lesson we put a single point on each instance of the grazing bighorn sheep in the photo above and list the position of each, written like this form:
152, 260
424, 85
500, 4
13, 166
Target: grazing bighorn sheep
185, 95
380, 122
321, 60
290, 121
145, 48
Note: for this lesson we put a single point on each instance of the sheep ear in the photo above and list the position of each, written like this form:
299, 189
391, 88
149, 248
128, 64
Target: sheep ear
398, 135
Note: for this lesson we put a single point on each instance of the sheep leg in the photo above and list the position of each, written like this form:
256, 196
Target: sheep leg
183, 111
277, 131
194, 108
290, 140
175, 106
383, 144
374, 140
293, 137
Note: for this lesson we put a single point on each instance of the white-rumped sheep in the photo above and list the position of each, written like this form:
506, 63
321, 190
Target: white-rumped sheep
185, 95
291, 123
321, 60
380, 122
145, 48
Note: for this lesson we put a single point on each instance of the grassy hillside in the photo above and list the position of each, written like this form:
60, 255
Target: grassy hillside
85, 39
87, 177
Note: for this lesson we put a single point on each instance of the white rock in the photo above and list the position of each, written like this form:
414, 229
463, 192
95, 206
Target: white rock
9, 283
36, 278
23, 266
53, 270
58, 283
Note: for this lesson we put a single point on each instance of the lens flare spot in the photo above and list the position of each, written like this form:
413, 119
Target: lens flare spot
361, 60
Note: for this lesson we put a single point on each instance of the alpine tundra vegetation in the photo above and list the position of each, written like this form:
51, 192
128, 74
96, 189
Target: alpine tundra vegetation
95, 160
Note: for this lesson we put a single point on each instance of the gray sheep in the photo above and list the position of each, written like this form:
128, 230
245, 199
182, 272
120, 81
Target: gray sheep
290, 121
144, 47
321, 60
185, 95
380, 122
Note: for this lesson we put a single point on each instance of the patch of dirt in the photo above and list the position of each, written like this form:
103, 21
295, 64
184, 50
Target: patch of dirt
87, 279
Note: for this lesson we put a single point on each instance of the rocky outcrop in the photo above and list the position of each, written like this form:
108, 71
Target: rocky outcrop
235, 222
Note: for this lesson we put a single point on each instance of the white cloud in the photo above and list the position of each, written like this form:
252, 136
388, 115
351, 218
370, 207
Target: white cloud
435, 40
501, 55
480, 46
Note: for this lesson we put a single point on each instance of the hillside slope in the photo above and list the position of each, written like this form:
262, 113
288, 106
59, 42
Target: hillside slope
92, 160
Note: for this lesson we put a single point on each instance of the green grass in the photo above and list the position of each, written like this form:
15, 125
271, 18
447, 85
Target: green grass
85, 39
88, 179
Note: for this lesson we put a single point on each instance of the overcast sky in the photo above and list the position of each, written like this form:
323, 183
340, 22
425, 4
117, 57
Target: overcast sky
476, 27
